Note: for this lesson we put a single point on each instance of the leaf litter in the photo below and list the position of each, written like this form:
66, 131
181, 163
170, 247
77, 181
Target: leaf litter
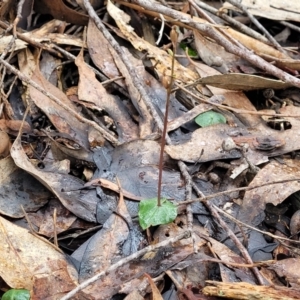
81, 132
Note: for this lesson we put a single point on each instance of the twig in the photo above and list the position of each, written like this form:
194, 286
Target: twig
277, 237
236, 110
257, 24
290, 25
233, 237
34, 233
235, 240
204, 199
54, 227
29, 40
182, 235
243, 28
257, 264
188, 195
209, 19
18, 17
161, 31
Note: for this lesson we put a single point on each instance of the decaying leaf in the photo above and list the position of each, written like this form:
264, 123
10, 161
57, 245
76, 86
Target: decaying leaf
18, 188
66, 187
23, 266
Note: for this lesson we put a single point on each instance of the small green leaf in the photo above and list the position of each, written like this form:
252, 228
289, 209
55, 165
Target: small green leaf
16, 294
151, 215
210, 118
191, 52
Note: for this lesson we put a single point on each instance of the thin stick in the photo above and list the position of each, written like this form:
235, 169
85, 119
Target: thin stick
161, 31
277, 237
236, 241
236, 110
243, 28
54, 227
247, 188
34, 233
257, 24
163, 139
182, 235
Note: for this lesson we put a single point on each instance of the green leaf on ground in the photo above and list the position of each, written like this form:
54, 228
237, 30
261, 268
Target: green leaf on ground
151, 215
16, 294
210, 118
191, 52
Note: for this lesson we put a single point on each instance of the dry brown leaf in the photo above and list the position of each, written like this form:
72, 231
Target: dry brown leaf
111, 186
208, 139
289, 269
63, 120
103, 248
156, 295
227, 255
91, 90
64, 219
5, 40
15, 125
207, 50
255, 200
100, 52
243, 82
24, 258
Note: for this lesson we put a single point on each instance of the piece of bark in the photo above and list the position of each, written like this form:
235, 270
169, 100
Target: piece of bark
246, 291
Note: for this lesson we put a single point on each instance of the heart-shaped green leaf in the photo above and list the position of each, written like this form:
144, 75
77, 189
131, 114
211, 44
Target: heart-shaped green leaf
210, 118
151, 215
16, 294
